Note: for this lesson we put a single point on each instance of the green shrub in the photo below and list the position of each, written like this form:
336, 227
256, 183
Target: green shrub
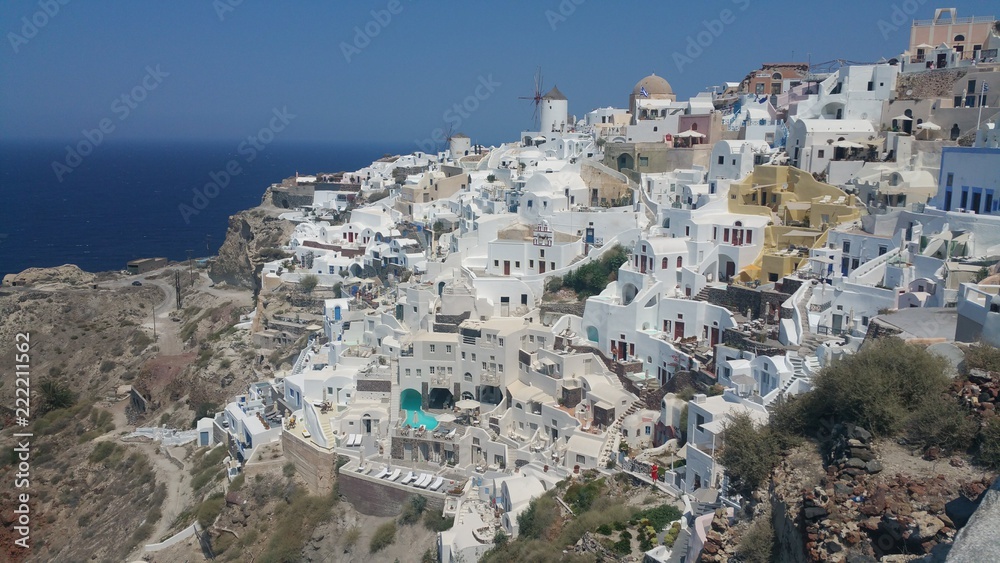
749, 452
101, 451
757, 544
989, 445
877, 388
604, 529
210, 509
436, 522
940, 421
541, 513
658, 517
623, 546
351, 536
412, 510
383, 537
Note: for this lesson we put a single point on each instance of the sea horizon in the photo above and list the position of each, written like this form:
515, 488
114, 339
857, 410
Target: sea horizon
122, 201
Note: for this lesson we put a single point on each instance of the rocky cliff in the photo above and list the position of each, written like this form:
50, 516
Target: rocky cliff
251, 239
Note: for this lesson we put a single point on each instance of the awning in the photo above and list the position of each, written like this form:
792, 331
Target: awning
929, 126
848, 145
691, 134
902, 118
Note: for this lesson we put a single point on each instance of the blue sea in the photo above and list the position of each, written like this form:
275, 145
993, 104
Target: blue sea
123, 201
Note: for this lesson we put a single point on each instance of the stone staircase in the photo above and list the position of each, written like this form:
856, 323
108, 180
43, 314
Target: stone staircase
610, 448
703, 294
324, 425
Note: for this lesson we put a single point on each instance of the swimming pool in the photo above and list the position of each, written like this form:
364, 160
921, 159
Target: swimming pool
409, 401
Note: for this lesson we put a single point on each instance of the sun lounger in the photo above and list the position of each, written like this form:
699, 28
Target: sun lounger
450, 435
424, 481
437, 484
409, 478
394, 475
383, 473
349, 441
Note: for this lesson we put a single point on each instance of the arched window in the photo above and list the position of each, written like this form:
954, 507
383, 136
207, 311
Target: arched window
776, 76
680, 262
959, 38
694, 126
739, 223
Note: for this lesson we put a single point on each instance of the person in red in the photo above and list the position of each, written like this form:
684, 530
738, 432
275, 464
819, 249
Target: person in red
654, 471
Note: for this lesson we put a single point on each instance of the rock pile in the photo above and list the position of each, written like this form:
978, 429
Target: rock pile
979, 392
716, 548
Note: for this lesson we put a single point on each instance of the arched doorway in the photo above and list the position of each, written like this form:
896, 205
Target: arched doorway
956, 132
366, 423
625, 161
629, 292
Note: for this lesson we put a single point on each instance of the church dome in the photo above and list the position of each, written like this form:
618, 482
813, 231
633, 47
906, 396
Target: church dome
654, 85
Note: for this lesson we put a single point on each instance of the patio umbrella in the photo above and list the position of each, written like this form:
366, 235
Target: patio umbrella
467, 404
446, 417
902, 118
691, 134
929, 126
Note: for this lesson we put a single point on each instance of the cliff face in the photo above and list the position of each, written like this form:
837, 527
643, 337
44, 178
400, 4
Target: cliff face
250, 239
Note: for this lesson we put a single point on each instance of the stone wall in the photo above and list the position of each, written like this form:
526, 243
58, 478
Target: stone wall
738, 299
289, 197
312, 465
382, 498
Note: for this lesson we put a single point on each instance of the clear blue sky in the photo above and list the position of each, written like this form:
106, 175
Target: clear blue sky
226, 75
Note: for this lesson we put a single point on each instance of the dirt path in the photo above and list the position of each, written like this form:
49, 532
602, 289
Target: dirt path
178, 497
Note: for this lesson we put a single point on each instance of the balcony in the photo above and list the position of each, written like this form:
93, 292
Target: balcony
489, 377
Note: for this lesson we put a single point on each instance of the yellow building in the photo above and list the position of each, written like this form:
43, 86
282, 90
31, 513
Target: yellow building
801, 208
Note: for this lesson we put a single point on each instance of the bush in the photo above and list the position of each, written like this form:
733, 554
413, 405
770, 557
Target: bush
989, 445
581, 496
383, 537
210, 509
541, 513
351, 536
592, 277
876, 389
56, 395
308, 283
412, 510
757, 544
658, 517
553, 284
102, 451
288, 470
749, 452
942, 422
437, 522
604, 529
108, 365
622, 546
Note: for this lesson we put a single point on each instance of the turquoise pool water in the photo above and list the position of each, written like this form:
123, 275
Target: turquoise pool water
422, 418
409, 401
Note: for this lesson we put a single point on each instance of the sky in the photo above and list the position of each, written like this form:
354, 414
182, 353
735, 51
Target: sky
394, 71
